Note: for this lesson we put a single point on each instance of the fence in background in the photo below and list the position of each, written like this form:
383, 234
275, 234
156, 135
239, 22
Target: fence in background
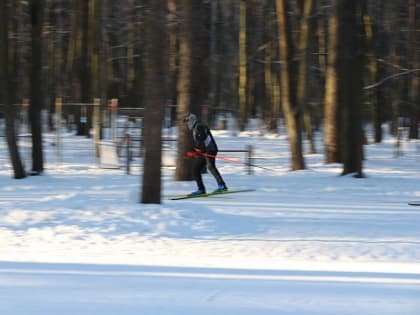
132, 147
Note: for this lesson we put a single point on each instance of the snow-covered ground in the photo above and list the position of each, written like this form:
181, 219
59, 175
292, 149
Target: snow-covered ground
76, 240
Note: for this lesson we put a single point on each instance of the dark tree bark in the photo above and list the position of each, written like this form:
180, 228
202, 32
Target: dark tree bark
228, 70
214, 57
200, 59
172, 60
183, 166
37, 12
414, 25
101, 73
259, 90
374, 22
350, 76
85, 95
6, 92
155, 100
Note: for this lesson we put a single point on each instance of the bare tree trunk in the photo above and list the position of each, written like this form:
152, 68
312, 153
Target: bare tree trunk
243, 79
271, 112
118, 52
332, 151
102, 63
396, 86
214, 57
184, 167
131, 36
259, 98
288, 89
228, 64
37, 12
322, 27
85, 80
6, 91
374, 33
305, 36
199, 60
351, 84
98, 54
414, 26
102, 80
155, 101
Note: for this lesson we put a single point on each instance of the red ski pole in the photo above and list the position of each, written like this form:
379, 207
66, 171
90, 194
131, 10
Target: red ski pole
228, 159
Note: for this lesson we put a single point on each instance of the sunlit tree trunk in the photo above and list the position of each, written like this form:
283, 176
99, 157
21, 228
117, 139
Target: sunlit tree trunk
259, 91
331, 134
243, 79
288, 88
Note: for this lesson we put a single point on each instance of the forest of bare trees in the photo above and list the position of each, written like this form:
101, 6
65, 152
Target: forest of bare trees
331, 65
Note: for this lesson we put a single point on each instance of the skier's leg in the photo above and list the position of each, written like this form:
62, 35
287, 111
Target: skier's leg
211, 165
199, 163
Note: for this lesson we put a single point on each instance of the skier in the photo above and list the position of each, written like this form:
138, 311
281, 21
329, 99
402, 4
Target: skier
204, 152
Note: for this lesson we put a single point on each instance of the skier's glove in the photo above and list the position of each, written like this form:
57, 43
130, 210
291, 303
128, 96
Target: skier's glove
191, 154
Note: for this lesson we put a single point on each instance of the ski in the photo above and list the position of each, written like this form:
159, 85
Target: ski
414, 203
215, 193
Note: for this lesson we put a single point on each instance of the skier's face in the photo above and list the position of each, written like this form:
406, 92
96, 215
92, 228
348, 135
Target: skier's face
190, 121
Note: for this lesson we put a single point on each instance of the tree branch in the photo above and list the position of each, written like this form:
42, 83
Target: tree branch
379, 83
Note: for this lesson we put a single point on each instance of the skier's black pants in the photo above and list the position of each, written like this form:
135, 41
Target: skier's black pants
200, 163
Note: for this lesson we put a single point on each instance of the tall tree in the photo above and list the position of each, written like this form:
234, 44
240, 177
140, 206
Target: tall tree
172, 57
228, 66
306, 31
271, 89
243, 63
5, 92
37, 13
375, 41
102, 82
331, 122
183, 167
214, 56
258, 82
350, 76
395, 59
200, 59
293, 115
414, 97
84, 65
155, 100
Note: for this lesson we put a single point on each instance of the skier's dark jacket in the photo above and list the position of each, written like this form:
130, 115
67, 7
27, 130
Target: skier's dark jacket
203, 139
